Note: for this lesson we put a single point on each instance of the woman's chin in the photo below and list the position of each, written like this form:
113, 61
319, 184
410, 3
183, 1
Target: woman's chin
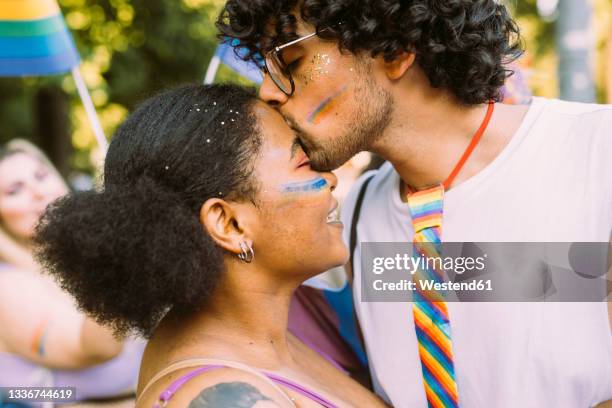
340, 256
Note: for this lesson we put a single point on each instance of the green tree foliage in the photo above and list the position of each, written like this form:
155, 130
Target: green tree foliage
130, 50
134, 48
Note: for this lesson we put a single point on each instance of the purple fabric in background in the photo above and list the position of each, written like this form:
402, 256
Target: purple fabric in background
116, 377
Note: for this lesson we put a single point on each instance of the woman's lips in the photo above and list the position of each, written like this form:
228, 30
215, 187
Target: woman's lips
333, 216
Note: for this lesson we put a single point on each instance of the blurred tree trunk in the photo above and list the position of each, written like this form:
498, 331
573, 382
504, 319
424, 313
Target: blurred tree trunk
575, 46
53, 126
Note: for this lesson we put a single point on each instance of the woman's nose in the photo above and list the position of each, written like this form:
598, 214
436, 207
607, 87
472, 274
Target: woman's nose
37, 193
331, 179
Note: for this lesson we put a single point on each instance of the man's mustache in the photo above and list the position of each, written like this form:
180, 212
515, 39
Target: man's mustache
317, 161
302, 136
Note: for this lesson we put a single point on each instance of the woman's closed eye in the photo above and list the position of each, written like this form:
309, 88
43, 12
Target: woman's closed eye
41, 175
303, 160
14, 189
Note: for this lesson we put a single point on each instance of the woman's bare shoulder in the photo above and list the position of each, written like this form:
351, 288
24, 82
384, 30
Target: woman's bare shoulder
220, 387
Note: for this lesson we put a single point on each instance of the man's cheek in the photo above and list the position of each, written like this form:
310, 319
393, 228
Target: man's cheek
325, 108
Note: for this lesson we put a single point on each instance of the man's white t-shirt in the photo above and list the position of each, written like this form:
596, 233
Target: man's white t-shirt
551, 183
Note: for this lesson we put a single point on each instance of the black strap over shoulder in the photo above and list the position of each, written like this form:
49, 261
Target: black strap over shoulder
355, 219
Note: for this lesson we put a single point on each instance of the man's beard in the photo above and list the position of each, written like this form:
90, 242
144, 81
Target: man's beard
367, 124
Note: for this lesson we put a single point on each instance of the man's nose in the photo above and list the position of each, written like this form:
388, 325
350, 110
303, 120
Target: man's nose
270, 93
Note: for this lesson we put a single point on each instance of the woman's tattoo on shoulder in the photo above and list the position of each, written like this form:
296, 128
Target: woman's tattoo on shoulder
230, 395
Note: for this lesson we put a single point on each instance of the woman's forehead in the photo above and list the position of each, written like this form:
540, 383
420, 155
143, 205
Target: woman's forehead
273, 127
19, 158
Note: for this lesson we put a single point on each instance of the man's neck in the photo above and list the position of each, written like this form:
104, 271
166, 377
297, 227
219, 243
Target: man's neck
426, 138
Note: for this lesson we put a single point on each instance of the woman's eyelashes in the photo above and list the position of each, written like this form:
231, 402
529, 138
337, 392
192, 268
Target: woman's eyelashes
302, 160
304, 163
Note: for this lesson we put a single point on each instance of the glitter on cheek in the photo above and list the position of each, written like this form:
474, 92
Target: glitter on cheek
325, 107
319, 65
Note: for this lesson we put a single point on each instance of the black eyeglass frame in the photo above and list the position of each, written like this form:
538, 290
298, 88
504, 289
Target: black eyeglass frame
273, 57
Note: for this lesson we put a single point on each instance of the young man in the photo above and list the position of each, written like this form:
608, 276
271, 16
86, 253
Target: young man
414, 81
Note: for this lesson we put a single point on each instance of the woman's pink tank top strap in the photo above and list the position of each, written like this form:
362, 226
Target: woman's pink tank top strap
169, 392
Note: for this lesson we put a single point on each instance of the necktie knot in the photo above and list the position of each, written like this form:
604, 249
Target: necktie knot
426, 207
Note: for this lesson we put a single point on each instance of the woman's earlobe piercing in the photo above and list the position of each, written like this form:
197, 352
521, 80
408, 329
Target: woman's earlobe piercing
247, 254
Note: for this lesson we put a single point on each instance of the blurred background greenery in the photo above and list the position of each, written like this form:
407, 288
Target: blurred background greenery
133, 48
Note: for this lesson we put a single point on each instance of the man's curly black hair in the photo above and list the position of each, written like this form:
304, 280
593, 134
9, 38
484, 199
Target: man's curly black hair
461, 45
136, 249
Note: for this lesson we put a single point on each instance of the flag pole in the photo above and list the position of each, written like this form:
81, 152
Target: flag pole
90, 110
211, 71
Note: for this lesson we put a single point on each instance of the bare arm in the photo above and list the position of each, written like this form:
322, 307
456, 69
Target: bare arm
46, 328
98, 342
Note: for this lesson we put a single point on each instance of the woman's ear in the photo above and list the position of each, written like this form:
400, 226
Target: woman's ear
402, 62
222, 222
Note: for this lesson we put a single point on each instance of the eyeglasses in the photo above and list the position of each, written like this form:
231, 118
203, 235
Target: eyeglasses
277, 69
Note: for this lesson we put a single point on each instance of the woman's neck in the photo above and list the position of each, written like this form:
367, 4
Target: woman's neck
247, 315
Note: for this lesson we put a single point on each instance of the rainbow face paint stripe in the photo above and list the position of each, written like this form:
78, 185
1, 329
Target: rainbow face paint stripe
325, 107
304, 187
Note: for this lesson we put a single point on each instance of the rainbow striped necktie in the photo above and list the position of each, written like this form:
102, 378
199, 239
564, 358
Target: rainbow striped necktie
429, 309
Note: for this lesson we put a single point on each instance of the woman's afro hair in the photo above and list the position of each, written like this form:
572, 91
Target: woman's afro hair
136, 249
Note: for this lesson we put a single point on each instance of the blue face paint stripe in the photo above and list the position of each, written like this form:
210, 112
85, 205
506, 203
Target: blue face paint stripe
309, 186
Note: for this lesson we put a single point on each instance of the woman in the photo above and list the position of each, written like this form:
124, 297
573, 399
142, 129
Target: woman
44, 340
209, 219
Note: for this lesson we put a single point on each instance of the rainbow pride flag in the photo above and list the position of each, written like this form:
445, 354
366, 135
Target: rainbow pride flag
34, 39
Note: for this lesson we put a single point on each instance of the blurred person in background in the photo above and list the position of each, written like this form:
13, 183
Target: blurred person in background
45, 340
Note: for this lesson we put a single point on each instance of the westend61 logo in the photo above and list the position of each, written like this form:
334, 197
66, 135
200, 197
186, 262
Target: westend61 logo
485, 272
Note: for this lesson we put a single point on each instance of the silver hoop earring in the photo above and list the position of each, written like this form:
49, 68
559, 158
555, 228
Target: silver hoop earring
247, 254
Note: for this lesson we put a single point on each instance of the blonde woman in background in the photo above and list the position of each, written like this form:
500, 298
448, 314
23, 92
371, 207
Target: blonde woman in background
45, 340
